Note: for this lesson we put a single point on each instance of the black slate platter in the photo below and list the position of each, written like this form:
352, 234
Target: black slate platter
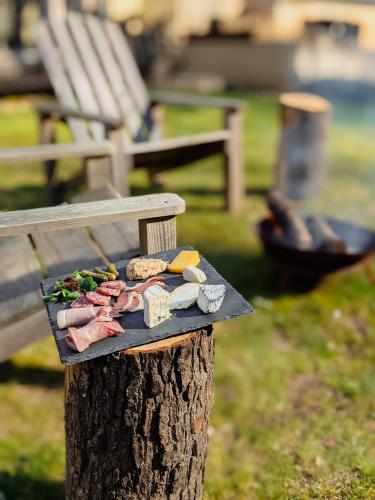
137, 333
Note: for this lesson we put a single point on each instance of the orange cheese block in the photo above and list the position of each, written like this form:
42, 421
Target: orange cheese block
183, 259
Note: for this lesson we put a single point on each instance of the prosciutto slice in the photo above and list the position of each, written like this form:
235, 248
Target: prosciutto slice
123, 301
111, 292
136, 303
80, 339
83, 315
98, 299
82, 301
116, 284
141, 287
131, 302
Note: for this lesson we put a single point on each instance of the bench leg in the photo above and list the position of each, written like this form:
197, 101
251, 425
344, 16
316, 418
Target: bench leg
233, 162
156, 178
47, 136
121, 164
98, 172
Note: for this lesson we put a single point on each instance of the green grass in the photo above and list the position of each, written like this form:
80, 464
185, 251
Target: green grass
294, 414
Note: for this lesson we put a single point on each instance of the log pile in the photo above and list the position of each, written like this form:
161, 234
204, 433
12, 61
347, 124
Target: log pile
312, 233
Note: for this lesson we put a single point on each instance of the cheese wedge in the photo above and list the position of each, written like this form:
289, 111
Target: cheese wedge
184, 296
156, 306
184, 258
210, 298
194, 274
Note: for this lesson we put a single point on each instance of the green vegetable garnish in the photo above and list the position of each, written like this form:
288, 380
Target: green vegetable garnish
63, 295
88, 284
85, 280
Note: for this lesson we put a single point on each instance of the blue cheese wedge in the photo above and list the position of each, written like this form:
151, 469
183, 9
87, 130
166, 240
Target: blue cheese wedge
184, 296
156, 306
210, 298
194, 274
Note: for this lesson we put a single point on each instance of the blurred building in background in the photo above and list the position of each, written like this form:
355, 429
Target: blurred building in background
211, 44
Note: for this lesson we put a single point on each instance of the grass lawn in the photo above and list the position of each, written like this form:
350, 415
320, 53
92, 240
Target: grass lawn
294, 413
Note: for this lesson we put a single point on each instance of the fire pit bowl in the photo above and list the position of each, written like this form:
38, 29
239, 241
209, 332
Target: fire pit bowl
360, 244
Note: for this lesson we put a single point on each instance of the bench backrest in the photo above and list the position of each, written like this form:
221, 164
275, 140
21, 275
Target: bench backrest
92, 69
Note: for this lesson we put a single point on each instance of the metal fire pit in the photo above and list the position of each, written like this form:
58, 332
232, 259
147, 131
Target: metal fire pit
360, 245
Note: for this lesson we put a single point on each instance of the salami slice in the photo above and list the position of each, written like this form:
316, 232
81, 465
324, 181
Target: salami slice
98, 299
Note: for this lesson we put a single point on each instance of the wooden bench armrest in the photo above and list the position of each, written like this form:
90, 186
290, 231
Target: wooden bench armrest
162, 97
51, 109
45, 152
97, 212
172, 143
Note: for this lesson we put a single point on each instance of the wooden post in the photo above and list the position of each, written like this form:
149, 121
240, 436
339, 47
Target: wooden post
301, 161
157, 235
136, 421
234, 165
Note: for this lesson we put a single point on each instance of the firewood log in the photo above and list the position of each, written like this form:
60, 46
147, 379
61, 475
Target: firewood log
293, 227
324, 237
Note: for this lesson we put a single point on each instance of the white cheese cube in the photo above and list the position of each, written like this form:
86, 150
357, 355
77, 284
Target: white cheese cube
210, 298
194, 274
184, 296
156, 306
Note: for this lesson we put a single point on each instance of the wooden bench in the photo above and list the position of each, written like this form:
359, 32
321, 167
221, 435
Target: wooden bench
101, 94
77, 237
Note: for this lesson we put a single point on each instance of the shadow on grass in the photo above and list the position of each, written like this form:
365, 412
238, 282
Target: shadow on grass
257, 275
23, 197
30, 375
22, 487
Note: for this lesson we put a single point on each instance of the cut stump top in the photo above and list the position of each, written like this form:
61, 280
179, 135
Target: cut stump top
305, 102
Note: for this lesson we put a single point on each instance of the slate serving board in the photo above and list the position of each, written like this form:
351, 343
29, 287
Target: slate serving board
137, 333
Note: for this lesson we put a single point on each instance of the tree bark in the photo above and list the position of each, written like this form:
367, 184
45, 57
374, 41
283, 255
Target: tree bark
136, 422
301, 164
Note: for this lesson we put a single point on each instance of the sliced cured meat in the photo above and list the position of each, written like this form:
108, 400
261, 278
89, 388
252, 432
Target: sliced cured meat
83, 315
141, 287
79, 339
98, 299
123, 301
75, 317
104, 313
82, 301
117, 284
137, 302
111, 292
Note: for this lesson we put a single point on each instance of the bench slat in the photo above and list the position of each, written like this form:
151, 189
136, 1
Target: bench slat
119, 240
64, 251
76, 72
126, 104
20, 278
91, 63
61, 85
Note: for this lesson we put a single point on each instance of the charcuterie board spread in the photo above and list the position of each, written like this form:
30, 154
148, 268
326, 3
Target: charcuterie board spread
135, 302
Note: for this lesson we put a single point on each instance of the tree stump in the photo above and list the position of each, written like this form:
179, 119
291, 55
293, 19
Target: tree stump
136, 421
301, 161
